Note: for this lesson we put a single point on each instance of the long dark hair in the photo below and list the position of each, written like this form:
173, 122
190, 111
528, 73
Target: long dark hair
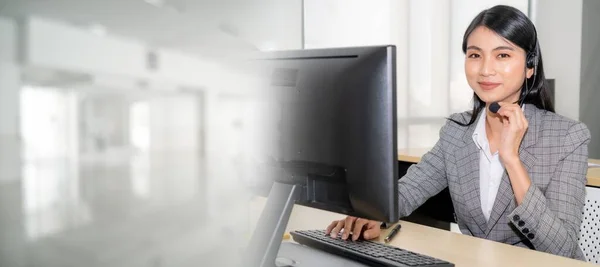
514, 26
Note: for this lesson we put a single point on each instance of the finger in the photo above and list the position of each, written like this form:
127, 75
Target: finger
330, 227
524, 121
337, 228
505, 116
372, 231
515, 119
520, 118
508, 108
358, 228
349, 222
512, 114
505, 123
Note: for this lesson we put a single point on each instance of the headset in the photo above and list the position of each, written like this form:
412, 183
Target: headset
531, 61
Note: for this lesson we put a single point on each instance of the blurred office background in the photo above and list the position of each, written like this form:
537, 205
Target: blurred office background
126, 125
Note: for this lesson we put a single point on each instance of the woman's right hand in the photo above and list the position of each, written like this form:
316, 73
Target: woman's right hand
355, 226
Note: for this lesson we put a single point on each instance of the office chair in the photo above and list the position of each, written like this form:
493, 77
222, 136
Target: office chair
589, 236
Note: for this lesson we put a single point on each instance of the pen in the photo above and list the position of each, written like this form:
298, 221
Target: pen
392, 233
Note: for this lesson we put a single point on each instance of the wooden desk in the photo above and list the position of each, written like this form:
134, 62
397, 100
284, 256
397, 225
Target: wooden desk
413, 155
593, 174
462, 250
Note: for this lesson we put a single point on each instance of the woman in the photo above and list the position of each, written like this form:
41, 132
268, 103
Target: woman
517, 176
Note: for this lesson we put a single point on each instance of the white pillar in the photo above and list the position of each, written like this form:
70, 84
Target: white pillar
10, 83
12, 243
560, 42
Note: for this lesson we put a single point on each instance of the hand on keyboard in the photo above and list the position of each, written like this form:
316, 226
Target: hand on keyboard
355, 226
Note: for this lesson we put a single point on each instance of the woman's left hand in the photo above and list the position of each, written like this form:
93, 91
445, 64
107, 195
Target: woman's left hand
515, 125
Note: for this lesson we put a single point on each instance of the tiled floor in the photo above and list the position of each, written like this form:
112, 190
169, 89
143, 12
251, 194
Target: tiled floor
134, 212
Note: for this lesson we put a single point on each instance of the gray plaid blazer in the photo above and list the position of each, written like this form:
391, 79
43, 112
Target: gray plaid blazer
555, 154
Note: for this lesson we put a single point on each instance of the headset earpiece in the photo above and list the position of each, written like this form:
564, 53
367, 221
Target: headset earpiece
531, 61
533, 58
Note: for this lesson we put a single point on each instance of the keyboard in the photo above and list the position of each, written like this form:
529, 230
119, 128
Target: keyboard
364, 251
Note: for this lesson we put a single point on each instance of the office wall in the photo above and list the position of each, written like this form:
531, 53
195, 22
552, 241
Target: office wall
559, 31
338, 23
174, 123
104, 124
285, 19
590, 68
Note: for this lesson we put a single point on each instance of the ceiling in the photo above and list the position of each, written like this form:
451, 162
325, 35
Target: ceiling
208, 28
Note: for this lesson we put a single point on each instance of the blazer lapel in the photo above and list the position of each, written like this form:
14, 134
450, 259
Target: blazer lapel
468, 170
506, 197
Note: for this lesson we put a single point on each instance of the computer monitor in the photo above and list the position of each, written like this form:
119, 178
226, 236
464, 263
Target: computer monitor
335, 134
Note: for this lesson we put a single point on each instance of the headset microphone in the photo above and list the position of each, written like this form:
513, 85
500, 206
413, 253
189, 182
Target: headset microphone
494, 107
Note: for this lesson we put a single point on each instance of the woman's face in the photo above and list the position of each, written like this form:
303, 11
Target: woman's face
494, 66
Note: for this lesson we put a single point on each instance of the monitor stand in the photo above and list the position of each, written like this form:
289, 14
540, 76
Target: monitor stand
266, 241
